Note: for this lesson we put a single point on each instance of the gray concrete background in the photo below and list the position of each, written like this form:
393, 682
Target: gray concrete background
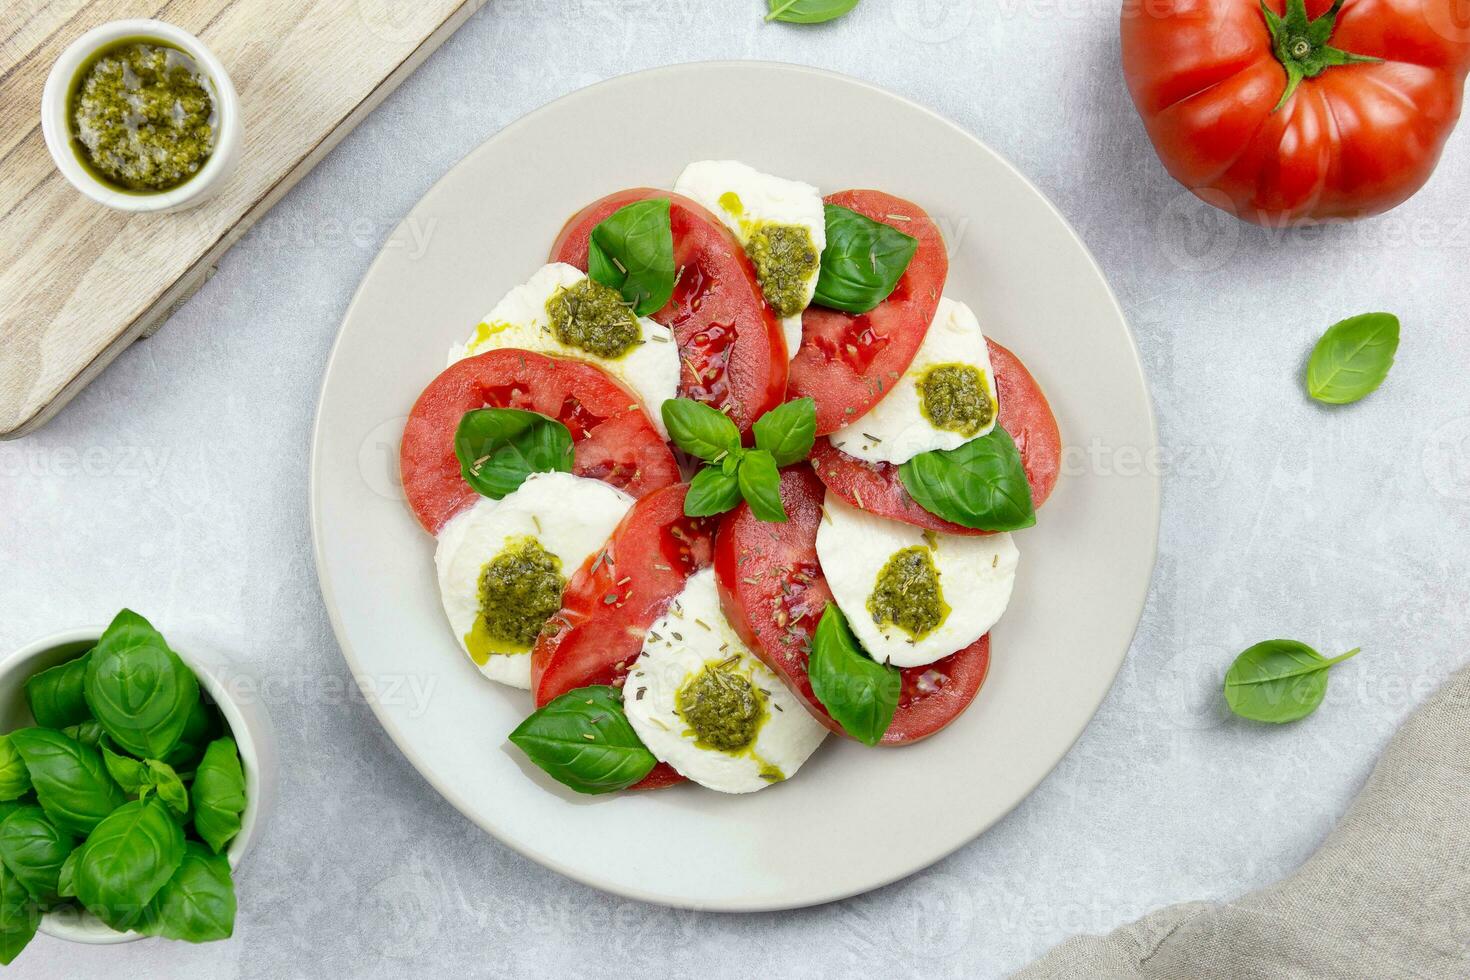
177, 484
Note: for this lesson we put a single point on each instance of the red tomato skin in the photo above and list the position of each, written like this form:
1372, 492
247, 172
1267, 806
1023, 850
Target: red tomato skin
847, 362
1024, 413
1354, 141
592, 640
776, 614
614, 441
718, 313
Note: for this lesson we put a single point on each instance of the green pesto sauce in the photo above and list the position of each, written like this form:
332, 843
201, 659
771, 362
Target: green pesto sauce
520, 589
955, 398
908, 594
785, 258
723, 708
142, 116
594, 318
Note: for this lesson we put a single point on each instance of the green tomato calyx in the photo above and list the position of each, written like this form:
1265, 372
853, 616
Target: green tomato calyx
1301, 44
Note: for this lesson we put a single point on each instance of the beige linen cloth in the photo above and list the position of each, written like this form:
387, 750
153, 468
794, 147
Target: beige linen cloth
1387, 896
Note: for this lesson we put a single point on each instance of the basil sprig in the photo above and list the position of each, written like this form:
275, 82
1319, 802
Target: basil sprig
863, 261
138, 688
783, 436
980, 485
499, 447
808, 11
219, 794
584, 741
1352, 358
632, 251
1279, 681
126, 860
857, 691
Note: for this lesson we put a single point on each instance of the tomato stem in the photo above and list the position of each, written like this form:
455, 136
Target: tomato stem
1301, 44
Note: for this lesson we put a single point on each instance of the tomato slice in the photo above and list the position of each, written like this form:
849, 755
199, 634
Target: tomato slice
774, 593
730, 341
613, 599
1024, 413
614, 441
846, 362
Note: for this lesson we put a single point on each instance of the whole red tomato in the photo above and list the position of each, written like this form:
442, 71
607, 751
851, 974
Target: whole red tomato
1298, 111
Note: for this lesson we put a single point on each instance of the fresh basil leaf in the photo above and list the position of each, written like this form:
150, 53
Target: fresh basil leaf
218, 794
1279, 681
34, 849
88, 732
981, 485
55, 696
126, 860
700, 430
70, 779
712, 491
1352, 358
863, 261
15, 781
808, 11
788, 431
199, 730
632, 251
167, 784
19, 916
66, 883
760, 485
584, 741
130, 774
499, 447
857, 691
138, 688
197, 904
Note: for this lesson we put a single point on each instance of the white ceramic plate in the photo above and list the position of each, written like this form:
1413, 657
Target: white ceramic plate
1084, 569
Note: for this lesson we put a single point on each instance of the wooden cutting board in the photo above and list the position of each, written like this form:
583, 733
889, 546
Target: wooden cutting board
79, 282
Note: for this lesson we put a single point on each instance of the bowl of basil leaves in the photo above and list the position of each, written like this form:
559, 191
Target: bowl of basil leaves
132, 782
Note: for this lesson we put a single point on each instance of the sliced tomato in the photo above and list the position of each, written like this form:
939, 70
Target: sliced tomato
614, 441
613, 599
774, 593
847, 362
1024, 413
730, 341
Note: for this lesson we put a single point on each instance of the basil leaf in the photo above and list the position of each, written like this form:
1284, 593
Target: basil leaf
128, 773
219, 794
34, 849
15, 781
712, 491
126, 860
197, 904
66, 884
788, 431
807, 11
1352, 358
70, 779
981, 485
863, 261
167, 784
19, 916
499, 447
1279, 681
138, 688
632, 251
55, 696
700, 430
584, 741
88, 732
198, 731
760, 485
139, 778
857, 691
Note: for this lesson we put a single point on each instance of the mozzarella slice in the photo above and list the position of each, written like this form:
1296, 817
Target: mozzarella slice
898, 428
747, 200
553, 522
694, 671
973, 574
650, 369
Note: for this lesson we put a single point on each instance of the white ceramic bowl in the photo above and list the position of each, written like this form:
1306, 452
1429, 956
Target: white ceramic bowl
247, 718
57, 127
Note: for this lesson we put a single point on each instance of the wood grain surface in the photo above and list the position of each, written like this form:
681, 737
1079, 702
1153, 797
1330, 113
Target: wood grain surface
78, 281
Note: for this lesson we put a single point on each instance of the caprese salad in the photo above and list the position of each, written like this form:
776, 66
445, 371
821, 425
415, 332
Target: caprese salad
729, 474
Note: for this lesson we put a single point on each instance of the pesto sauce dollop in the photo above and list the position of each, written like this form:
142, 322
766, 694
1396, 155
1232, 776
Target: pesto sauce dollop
908, 594
785, 257
594, 318
520, 589
723, 708
955, 398
142, 116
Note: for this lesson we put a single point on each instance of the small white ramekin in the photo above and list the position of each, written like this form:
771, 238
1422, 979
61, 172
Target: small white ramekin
57, 127
247, 718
